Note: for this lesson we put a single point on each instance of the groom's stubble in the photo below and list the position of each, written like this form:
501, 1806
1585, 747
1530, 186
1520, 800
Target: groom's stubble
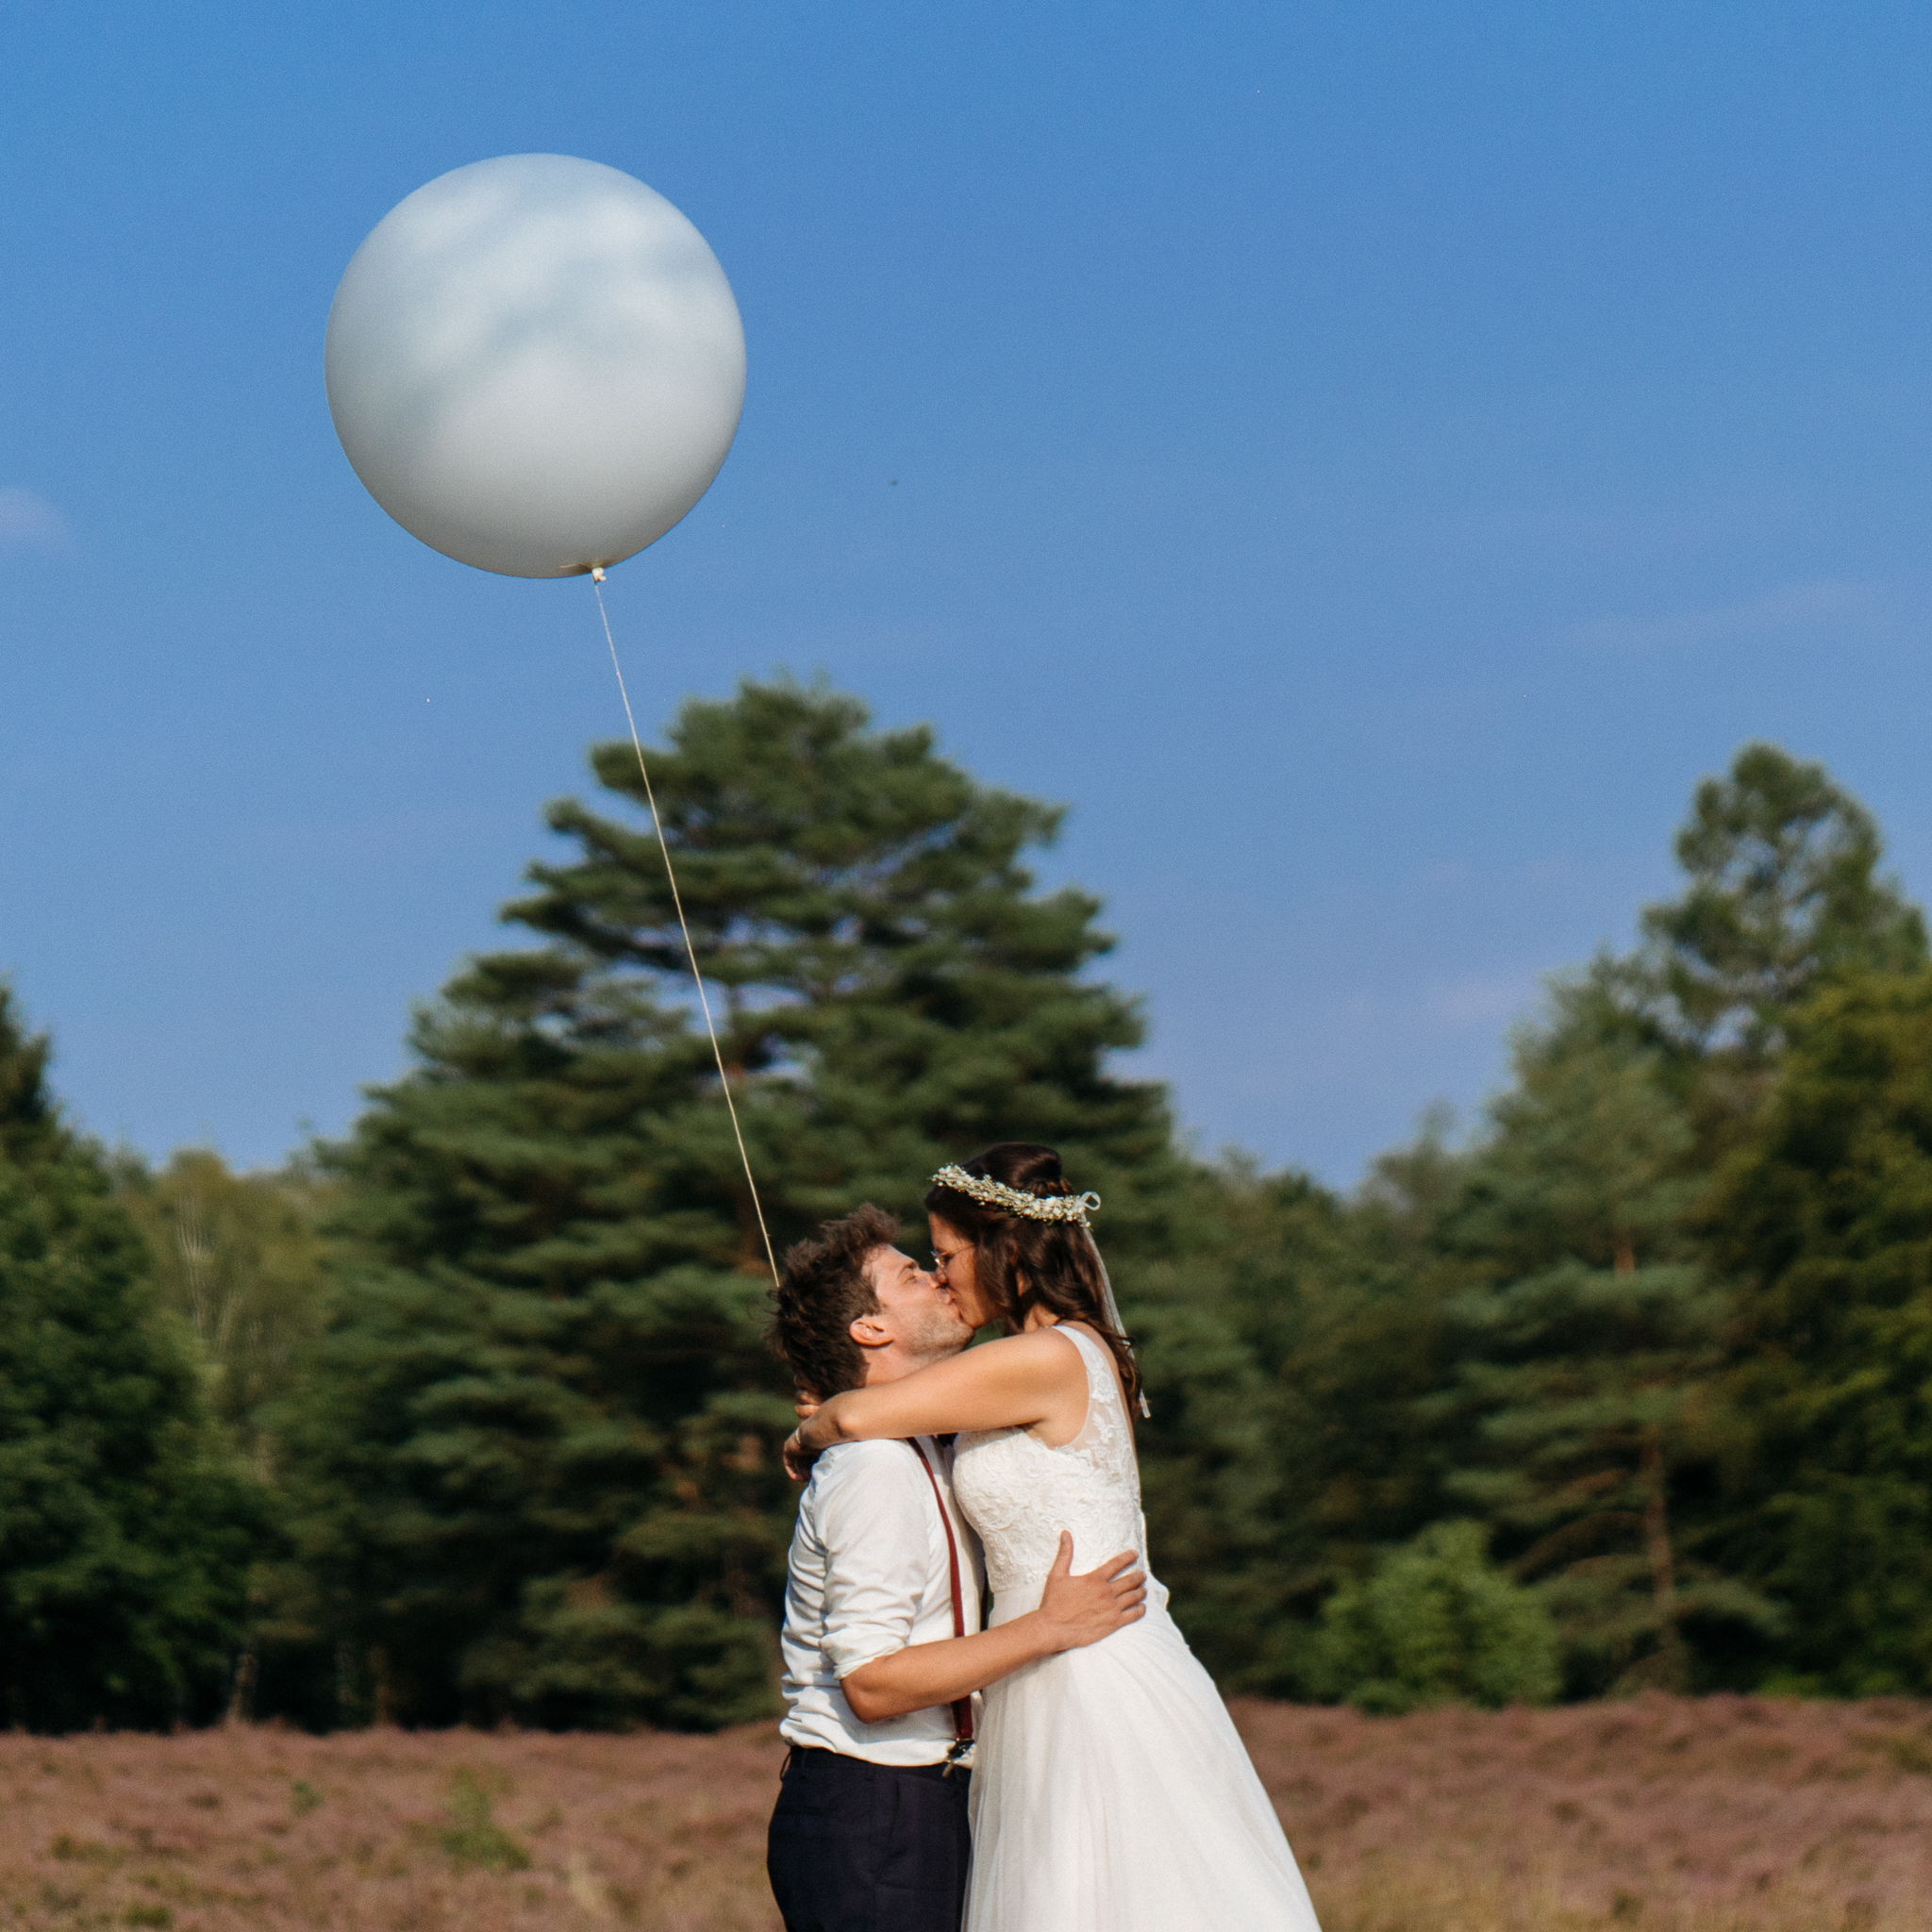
938, 1338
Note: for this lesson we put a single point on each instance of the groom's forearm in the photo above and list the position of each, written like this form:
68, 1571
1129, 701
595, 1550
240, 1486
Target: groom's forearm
925, 1675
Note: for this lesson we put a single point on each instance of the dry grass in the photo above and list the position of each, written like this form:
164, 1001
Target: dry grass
1728, 1815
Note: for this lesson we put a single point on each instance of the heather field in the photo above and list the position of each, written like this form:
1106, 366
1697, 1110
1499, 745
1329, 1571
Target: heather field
1727, 1815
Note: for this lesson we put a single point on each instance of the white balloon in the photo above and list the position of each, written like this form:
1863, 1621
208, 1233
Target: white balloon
535, 365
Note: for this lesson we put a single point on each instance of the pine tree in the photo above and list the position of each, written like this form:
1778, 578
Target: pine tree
545, 1431
125, 1526
1592, 1353
1825, 1219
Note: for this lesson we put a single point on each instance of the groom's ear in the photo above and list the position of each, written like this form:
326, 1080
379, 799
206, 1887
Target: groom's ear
869, 1331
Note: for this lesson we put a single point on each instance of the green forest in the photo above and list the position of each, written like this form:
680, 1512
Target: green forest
465, 1418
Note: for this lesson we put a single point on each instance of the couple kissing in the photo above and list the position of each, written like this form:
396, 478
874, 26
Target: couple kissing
1056, 1760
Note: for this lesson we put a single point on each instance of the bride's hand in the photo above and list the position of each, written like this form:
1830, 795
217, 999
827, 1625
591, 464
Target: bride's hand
1082, 1609
808, 1404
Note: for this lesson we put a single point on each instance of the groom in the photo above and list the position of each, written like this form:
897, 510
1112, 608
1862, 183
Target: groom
882, 1645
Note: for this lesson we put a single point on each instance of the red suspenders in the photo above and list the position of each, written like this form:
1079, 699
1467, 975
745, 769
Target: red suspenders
962, 1709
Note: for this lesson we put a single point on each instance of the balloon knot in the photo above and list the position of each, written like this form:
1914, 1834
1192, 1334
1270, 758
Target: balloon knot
596, 573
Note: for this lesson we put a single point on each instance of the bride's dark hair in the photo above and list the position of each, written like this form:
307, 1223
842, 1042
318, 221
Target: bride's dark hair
1022, 1265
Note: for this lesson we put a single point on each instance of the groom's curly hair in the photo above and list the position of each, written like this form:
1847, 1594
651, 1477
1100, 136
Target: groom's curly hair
822, 1291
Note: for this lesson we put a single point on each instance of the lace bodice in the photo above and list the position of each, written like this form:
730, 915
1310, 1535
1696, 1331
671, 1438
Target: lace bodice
1019, 1494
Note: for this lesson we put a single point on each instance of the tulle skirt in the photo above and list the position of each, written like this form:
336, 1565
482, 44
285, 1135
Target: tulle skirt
1112, 1793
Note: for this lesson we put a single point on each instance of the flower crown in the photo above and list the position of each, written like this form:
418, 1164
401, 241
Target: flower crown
992, 1193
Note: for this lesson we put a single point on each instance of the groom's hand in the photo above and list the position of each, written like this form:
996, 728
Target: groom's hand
1082, 1609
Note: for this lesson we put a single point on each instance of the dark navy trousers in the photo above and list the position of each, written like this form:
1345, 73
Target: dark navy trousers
860, 1847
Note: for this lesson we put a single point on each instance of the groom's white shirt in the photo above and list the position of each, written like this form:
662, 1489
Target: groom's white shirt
868, 1575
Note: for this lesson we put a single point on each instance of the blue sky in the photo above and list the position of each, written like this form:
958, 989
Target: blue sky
1368, 461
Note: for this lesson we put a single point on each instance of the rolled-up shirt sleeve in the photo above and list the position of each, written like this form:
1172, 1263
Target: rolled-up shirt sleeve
873, 1521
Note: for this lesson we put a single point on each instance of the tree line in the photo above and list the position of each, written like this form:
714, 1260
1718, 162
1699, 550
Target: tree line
465, 1418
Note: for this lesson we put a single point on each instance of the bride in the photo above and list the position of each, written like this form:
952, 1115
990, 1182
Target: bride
1110, 1789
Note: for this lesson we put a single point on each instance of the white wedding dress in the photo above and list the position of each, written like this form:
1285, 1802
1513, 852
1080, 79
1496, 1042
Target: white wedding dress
1111, 1792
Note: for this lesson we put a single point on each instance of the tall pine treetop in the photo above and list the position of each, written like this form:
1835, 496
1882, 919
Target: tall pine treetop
862, 903
1784, 885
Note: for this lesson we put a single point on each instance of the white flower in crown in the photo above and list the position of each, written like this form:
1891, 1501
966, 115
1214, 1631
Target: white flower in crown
992, 1193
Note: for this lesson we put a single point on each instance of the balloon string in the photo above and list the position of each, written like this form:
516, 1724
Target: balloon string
678, 901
